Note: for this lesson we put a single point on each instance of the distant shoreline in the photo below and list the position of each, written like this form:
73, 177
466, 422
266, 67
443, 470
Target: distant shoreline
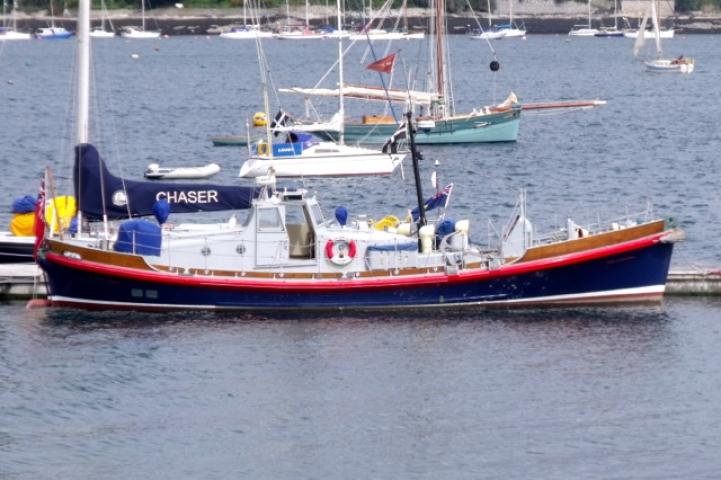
173, 21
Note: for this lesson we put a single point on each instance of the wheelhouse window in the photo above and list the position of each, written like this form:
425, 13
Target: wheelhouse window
317, 213
269, 219
300, 232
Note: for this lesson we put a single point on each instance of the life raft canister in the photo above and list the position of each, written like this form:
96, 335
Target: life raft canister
340, 251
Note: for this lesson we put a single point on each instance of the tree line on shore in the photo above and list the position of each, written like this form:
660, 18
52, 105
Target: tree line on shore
452, 6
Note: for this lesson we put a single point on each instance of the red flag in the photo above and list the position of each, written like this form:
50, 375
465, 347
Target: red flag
39, 226
384, 65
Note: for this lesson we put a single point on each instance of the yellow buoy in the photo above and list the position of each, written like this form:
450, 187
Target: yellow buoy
259, 119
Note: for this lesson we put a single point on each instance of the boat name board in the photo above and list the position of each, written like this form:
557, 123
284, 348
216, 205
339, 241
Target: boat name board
191, 196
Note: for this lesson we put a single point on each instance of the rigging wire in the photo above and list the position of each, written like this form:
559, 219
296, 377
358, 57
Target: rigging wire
488, 41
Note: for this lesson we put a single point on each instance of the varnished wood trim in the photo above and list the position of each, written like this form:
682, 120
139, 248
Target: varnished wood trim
594, 241
100, 256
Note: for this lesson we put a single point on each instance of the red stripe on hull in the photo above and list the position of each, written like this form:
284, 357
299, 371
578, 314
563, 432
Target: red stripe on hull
359, 282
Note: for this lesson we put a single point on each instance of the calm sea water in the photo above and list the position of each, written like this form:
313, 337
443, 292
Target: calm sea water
582, 393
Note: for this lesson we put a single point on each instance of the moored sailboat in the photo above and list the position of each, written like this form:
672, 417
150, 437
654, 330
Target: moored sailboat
9, 32
612, 31
441, 125
52, 32
660, 64
247, 31
300, 155
139, 32
101, 31
584, 30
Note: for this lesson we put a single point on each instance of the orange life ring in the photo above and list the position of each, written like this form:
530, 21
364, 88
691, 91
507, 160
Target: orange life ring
340, 251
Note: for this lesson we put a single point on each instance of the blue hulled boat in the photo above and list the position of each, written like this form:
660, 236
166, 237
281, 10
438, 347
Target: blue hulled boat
53, 33
286, 255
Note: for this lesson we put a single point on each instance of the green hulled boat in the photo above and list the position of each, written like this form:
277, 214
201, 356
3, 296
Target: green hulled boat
499, 126
441, 124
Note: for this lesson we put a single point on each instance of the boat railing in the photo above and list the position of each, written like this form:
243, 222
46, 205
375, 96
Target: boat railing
494, 235
599, 226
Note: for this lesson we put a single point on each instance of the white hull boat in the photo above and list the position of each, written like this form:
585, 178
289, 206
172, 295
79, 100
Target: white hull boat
660, 64
322, 159
135, 32
514, 32
300, 35
663, 65
156, 172
489, 35
649, 34
140, 32
378, 34
100, 33
9, 30
11, 35
583, 32
245, 34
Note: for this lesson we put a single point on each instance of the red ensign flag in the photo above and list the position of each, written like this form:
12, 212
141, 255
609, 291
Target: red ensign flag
384, 65
39, 227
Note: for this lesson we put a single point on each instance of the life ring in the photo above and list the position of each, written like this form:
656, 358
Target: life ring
340, 251
263, 148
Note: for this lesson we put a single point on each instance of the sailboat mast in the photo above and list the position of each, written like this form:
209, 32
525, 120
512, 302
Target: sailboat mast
307, 19
245, 13
263, 66
83, 90
142, 12
52, 15
490, 20
615, 14
83, 81
589, 13
656, 28
14, 17
404, 7
510, 12
440, 51
341, 108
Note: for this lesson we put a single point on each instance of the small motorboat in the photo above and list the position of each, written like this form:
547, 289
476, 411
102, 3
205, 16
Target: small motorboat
156, 172
53, 33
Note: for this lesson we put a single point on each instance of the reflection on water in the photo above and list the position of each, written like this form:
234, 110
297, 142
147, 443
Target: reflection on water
587, 392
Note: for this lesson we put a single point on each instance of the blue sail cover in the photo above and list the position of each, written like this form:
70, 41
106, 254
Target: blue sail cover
124, 198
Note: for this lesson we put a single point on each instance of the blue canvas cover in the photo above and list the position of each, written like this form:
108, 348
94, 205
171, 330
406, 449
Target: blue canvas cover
133, 198
24, 204
161, 210
139, 236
